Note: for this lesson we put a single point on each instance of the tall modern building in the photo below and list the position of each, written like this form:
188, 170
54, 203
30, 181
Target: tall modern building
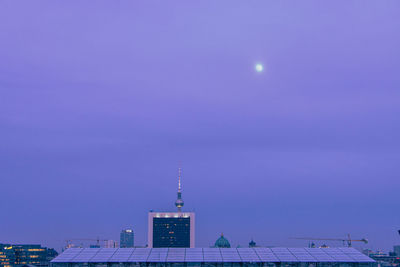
172, 229
126, 238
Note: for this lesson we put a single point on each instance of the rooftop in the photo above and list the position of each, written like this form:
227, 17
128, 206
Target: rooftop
257, 254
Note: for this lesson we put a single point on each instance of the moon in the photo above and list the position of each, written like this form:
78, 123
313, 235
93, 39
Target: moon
259, 67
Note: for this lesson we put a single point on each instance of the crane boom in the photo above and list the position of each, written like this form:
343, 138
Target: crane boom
347, 240
85, 239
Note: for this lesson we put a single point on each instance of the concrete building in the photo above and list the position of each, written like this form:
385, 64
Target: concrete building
126, 239
172, 229
110, 244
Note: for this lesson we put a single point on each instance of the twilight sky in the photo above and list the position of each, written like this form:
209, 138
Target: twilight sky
101, 100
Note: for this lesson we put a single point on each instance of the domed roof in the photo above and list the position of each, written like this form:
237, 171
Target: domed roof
222, 242
252, 244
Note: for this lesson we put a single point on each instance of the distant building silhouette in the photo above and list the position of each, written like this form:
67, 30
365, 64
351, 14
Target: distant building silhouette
252, 244
382, 258
126, 239
222, 242
396, 250
12, 255
110, 244
172, 229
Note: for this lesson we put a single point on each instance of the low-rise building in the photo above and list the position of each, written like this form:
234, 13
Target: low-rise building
14, 255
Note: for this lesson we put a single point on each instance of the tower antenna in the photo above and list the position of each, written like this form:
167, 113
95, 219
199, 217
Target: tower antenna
179, 179
179, 202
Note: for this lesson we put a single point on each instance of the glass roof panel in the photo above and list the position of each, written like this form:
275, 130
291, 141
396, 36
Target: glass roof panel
212, 255
103, 255
121, 255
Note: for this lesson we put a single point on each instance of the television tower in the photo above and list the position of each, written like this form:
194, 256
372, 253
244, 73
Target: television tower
179, 202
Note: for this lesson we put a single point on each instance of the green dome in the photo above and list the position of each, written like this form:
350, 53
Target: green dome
222, 242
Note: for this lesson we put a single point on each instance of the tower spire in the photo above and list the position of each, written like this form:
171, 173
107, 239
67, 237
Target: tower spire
179, 180
179, 202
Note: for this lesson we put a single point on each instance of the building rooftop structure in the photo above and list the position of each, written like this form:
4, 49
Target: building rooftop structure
259, 256
222, 242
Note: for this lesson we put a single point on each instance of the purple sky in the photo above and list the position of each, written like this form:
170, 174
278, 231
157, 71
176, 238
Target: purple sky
101, 100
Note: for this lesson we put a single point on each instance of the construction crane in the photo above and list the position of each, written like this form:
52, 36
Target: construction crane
347, 240
68, 241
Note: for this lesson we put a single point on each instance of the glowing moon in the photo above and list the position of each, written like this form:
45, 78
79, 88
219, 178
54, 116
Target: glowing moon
259, 67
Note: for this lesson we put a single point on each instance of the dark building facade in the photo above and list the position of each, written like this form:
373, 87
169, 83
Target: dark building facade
126, 239
16, 255
171, 232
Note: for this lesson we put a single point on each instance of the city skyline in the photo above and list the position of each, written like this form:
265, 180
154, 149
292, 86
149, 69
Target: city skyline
283, 116
109, 242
